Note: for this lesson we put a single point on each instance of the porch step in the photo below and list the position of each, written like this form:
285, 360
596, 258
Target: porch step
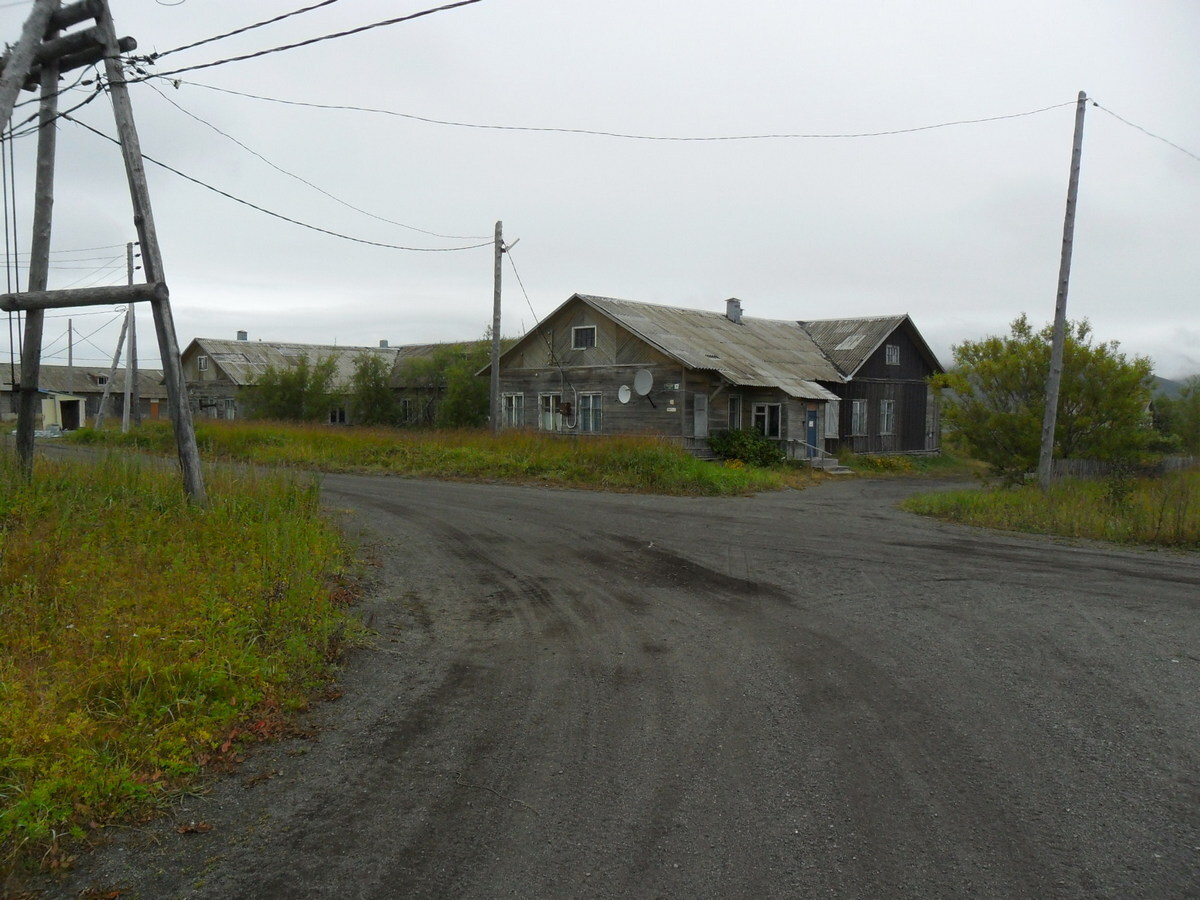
829, 465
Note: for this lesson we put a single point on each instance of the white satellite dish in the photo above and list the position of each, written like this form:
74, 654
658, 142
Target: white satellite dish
623, 393
643, 381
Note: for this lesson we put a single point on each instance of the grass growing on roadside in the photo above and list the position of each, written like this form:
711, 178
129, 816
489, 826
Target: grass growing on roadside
943, 464
138, 634
603, 463
1156, 511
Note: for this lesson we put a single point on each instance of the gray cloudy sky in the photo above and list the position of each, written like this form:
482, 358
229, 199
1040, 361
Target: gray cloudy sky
960, 227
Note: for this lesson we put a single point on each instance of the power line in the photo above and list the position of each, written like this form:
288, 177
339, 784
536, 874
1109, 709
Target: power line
220, 37
276, 215
1157, 137
453, 237
306, 43
627, 135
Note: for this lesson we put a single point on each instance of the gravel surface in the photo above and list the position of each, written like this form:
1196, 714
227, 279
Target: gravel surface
798, 694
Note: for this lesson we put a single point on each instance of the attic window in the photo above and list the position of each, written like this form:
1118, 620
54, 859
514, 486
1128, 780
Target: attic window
583, 337
101, 380
892, 354
202, 363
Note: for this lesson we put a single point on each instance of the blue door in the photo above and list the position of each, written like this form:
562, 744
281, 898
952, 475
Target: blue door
811, 433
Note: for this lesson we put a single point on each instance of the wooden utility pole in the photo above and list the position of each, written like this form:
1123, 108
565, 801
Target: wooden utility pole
112, 373
43, 208
494, 392
1054, 379
133, 396
55, 57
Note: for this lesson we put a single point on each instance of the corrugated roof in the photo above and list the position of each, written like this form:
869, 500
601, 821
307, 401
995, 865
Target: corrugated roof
87, 380
753, 353
850, 342
244, 361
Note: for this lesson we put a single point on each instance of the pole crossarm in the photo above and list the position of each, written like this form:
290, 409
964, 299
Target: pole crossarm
115, 295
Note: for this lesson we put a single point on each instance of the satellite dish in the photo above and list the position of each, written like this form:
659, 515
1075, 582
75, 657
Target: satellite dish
623, 393
643, 381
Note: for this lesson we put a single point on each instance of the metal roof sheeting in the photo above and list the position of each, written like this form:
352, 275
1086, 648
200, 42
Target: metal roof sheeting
768, 353
88, 380
243, 362
851, 342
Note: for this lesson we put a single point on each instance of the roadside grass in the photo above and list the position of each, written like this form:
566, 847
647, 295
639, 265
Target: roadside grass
935, 464
142, 639
1151, 511
619, 463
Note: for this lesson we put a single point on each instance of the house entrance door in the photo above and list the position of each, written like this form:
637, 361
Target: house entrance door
700, 415
810, 432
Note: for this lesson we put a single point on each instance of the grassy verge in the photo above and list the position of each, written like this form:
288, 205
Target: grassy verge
602, 463
139, 637
935, 464
1152, 511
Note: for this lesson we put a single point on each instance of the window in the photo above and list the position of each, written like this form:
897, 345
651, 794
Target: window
202, 363
891, 354
767, 419
887, 416
406, 410
230, 408
833, 415
858, 416
550, 416
101, 380
514, 410
590, 412
583, 337
337, 416
735, 412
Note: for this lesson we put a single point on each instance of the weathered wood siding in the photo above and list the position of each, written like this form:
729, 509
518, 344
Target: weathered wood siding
916, 422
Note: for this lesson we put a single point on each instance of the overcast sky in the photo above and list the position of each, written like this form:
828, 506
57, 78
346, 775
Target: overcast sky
959, 226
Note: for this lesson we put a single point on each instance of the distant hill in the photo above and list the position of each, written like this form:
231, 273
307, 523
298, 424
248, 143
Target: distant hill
1167, 388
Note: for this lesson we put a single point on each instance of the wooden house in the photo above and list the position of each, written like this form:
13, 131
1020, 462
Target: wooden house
217, 371
599, 365
886, 405
71, 395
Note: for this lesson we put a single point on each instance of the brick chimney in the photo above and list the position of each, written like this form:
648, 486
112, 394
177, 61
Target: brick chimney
383, 344
243, 336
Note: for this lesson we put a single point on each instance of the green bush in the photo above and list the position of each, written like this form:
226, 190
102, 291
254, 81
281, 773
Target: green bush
748, 445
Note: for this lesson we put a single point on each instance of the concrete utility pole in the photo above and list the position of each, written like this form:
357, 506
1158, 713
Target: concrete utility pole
495, 380
1054, 379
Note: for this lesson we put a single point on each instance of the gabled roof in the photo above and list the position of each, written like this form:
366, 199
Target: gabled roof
87, 380
244, 361
851, 342
768, 353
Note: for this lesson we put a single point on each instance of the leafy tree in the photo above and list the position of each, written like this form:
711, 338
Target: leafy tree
451, 394
372, 401
1180, 416
994, 398
299, 393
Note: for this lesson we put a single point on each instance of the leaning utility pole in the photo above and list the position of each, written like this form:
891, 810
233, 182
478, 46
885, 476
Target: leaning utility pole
39, 58
494, 392
1054, 379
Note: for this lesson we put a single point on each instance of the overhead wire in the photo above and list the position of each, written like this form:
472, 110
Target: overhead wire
320, 190
304, 43
220, 37
281, 216
591, 132
1147, 132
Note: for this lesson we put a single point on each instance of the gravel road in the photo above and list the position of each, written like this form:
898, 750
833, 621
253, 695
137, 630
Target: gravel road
798, 694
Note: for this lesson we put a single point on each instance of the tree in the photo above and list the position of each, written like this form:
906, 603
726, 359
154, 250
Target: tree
300, 393
994, 398
372, 401
1180, 416
453, 395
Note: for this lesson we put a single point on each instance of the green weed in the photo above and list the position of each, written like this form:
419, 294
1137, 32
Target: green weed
138, 634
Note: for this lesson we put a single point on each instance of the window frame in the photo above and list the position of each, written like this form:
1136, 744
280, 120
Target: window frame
577, 331
859, 412
201, 363
550, 404
735, 402
591, 413
887, 417
765, 410
512, 409
891, 354
833, 418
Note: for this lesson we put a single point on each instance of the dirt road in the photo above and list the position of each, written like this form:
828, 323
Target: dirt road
798, 694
